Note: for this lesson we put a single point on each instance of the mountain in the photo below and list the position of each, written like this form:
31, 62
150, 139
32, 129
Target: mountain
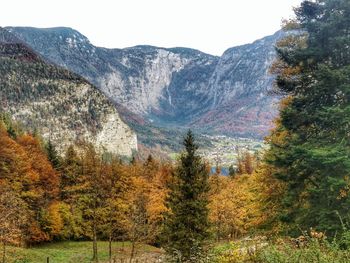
239, 90
61, 105
172, 87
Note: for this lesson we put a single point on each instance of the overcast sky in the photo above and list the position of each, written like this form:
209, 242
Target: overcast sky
211, 26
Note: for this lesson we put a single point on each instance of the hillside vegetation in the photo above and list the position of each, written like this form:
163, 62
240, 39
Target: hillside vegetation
289, 203
59, 104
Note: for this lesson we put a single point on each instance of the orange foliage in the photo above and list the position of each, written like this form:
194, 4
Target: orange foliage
25, 169
48, 177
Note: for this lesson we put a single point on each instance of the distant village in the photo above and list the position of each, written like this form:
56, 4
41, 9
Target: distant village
225, 149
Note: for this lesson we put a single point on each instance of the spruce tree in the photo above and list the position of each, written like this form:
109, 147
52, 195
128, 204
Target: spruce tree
232, 171
186, 225
52, 155
311, 145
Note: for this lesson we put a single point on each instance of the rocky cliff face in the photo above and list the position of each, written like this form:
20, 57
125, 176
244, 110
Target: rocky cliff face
59, 104
239, 90
178, 86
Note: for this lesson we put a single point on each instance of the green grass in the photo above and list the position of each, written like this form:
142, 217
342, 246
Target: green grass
73, 252
279, 251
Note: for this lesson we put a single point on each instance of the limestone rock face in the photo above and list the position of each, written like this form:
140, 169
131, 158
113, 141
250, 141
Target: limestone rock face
175, 86
59, 104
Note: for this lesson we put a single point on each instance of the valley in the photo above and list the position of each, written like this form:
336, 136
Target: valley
161, 91
155, 153
224, 150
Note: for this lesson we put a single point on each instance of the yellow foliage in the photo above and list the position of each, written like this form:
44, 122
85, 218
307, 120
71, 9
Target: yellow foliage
54, 218
245, 202
234, 209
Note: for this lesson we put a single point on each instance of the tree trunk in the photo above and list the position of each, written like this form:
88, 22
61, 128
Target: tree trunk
3, 252
217, 231
132, 251
94, 244
110, 247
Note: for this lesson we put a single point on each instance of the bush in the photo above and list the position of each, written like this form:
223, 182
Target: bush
314, 251
344, 241
228, 253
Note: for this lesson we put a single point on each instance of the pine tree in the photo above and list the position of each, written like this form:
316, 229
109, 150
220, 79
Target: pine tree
232, 171
186, 225
310, 147
52, 155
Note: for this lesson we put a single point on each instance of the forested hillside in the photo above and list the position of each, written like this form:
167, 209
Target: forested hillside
288, 203
172, 87
61, 105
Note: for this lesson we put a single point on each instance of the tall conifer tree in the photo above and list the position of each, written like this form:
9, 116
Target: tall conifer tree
311, 145
186, 226
52, 155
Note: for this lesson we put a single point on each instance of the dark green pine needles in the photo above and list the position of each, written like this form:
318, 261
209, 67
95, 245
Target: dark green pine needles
314, 158
187, 227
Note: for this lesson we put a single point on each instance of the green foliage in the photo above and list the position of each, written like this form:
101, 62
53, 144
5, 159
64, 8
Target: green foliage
280, 251
187, 226
315, 251
52, 155
228, 253
311, 145
344, 241
232, 171
13, 128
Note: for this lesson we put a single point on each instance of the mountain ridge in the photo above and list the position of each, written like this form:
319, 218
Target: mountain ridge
61, 105
173, 86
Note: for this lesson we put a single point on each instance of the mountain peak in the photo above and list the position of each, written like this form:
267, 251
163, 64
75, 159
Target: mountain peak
7, 37
174, 86
13, 47
58, 34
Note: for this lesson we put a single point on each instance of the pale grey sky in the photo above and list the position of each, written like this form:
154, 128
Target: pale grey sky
208, 25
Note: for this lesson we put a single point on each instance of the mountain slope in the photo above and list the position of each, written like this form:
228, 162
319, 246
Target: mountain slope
61, 105
239, 89
172, 87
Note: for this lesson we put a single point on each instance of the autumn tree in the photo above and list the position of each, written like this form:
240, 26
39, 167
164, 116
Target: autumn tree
116, 205
217, 183
13, 217
28, 179
42, 191
72, 204
93, 196
236, 208
138, 227
138, 218
186, 226
245, 161
248, 161
269, 192
156, 207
